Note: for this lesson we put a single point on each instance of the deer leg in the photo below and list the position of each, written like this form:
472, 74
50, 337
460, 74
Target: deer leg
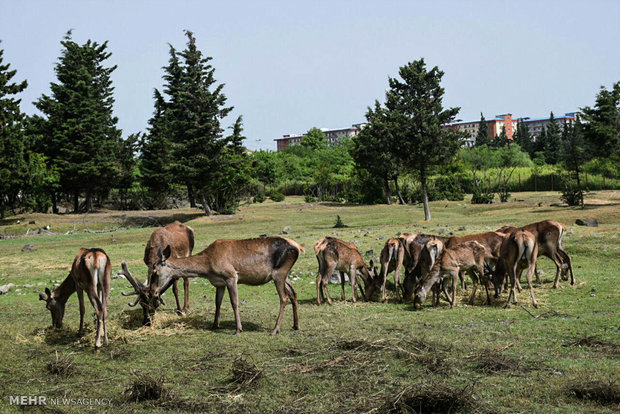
532, 269
104, 303
342, 295
94, 300
185, 309
558, 269
325, 281
293, 297
80, 295
538, 281
319, 289
175, 291
474, 279
283, 294
444, 287
384, 280
396, 282
454, 276
463, 284
566, 258
234, 301
353, 277
219, 294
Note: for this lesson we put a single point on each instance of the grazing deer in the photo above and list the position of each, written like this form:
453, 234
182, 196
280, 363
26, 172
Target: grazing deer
394, 256
549, 236
335, 254
90, 272
226, 263
519, 250
415, 245
466, 257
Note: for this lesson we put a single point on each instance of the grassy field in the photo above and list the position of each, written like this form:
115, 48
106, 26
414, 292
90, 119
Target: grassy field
349, 357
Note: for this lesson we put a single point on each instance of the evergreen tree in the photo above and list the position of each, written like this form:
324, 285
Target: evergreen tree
13, 166
574, 153
501, 140
539, 143
602, 123
553, 141
127, 164
416, 113
523, 138
156, 156
79, 134
482, 137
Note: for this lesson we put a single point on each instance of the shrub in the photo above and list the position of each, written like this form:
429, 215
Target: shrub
448, 188
309, 198
260, 197
276, 196
482, 197
339, 223
570, 194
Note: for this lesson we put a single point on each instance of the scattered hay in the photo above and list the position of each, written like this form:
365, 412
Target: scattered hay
604, 392
436, 363
492, 361
352, 345
62, 366
245, 372
595, 342
431, 398
146, 388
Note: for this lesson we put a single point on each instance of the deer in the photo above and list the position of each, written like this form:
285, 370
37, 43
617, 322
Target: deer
518, 251
549, 236
90, 272
467, 257
415, 245
335, 254
228, 262
394, 256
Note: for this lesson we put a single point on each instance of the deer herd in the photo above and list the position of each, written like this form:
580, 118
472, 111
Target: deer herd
429, 263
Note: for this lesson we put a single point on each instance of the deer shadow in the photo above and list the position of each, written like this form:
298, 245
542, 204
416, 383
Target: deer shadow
64, 336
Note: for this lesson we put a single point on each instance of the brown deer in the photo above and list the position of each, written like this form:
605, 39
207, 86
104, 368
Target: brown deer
335, 254
415, 245
549, 236
90, 272
394, 257
226, 263
519, 250
466, 257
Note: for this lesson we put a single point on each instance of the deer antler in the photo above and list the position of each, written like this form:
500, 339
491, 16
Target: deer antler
139, 287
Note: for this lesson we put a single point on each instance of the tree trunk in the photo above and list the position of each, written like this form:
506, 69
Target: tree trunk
386, 189
76, 202
54, 203
89, 202
427, 210
205, 205
401, 200
190, 195
579, 189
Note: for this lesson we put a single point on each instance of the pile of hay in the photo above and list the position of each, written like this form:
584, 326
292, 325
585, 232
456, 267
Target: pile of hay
604, 392
595, 342
63, 366
145, 388
492, 361
432, 398
245, 372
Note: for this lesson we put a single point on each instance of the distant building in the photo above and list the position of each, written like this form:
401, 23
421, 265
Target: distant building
333, 136
536, 125
494, 128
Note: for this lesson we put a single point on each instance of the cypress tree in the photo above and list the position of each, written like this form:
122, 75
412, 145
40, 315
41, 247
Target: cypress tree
552, 143
80, 136
482, 137
13, 166
523, 138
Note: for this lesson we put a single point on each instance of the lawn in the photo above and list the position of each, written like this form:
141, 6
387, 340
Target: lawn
348, 357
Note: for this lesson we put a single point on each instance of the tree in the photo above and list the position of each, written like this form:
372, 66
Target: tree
574, 153
416, 114
314, 140
79, 134
552, 141
523, 138
127, 164
601, 127
501, 140
375, 150
482, 137
13, 166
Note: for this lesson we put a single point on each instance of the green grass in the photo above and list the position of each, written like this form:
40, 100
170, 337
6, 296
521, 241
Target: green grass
346, 357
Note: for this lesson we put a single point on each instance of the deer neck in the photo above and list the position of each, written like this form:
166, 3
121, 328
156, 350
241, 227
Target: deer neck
193, 266
65, 290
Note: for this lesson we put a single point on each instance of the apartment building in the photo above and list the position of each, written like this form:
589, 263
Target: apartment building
536, 125
333, 136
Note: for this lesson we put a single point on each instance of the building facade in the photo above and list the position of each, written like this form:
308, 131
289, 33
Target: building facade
535, 125
333, 136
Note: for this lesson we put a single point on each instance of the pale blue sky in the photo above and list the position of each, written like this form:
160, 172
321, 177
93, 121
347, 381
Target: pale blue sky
291, 65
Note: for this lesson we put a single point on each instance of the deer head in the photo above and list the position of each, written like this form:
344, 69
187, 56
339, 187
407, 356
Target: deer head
144, 297
55, 306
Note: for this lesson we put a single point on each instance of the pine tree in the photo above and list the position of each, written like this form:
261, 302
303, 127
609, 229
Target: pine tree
80, 136
574, 152
482, 137
416, 114
13, 166
523, 138
501, 140
602, 123
552, 143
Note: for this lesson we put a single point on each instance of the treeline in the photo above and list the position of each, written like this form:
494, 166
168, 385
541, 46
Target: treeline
73, 154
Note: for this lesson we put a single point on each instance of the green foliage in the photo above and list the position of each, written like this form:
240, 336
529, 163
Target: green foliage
78, 134
276, 196
314, 140
601, 128
523, 138
260, 197
480, 196
606, 167
339, 223
309, 199
572, 194
552, 141
483, 138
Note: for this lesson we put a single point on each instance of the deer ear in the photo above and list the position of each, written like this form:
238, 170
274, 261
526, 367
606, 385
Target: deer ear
167, 252
42, 296
48, 293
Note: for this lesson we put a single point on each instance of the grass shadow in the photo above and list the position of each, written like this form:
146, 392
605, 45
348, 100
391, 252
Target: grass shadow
156, 221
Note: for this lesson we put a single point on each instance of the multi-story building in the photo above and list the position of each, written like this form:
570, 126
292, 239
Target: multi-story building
333, 136
536, 125
494, 128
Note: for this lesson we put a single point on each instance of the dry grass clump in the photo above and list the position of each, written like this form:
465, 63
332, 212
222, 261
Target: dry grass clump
352, 344
604, 392
245, 372
146, 388
62, 365
492, 361
432, 397
595, 342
